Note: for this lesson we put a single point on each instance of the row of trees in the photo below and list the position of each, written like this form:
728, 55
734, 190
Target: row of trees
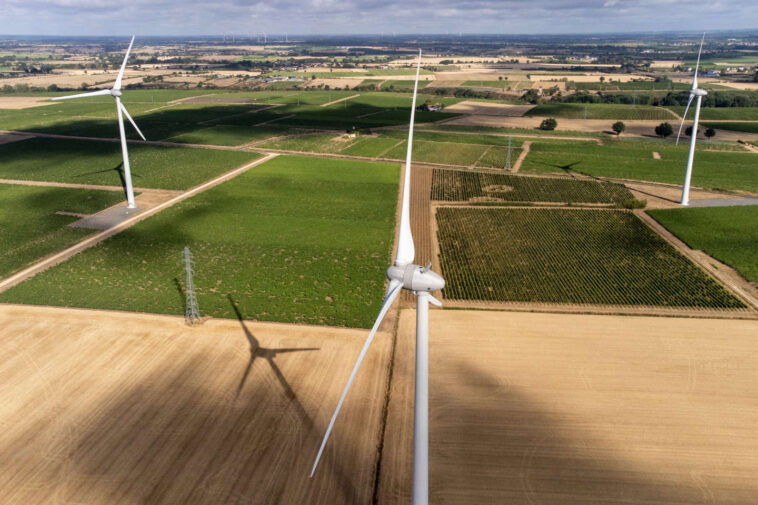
662, 130
666, 130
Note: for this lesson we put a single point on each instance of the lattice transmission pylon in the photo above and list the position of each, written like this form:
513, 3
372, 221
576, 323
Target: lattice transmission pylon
192, 311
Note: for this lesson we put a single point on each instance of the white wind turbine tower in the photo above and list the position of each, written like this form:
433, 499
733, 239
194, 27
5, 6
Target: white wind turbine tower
115, 92
699, 93
403, 274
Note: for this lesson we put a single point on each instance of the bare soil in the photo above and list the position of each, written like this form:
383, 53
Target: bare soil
22, 102
105, 407
488, 109
575, 409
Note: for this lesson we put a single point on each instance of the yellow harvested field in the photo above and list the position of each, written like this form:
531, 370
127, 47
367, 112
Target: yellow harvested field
564, 409
488, 109
594, 77
72, 80
23, 102
107, 407
337, 82
666, 63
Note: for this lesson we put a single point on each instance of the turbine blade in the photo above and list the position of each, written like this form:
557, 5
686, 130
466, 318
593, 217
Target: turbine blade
123, 66
82, 95
697, 66
405, 248
121, 104
434, 301
392, 292
684, 116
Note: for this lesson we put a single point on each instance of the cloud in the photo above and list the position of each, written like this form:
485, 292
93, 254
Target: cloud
199, 17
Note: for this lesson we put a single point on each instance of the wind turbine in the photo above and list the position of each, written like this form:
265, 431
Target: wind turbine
115, 92
403, 274
699, 93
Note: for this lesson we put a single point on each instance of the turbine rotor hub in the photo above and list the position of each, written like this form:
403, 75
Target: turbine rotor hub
115, 92
699, 92
416, 277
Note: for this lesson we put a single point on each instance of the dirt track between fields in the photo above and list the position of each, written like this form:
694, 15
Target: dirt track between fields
104, 407
577, 409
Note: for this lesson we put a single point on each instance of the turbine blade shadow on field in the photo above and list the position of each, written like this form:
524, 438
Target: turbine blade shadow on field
568, 168
256, 351
119, 169
269, 354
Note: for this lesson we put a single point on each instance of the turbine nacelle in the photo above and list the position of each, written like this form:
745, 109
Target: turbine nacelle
115, 92
698, 92
415, 278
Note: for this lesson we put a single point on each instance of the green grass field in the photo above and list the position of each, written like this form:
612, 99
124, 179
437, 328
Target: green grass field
445, 148
230, 135
92, 162
729, 234
489, 84
404, 84
567, 256
296, 239
600, 111
630, 159
746, 127
488, 188
721, 113
30, 226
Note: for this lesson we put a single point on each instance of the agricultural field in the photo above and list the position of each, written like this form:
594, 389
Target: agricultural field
600, 111
631, 159
292, 240
738, 126
729, 234
529, 132
488, 84
567, 256
90, 162
722, 113
631, 86
493, 188
231, 135
34, 220
403, 85
443, 148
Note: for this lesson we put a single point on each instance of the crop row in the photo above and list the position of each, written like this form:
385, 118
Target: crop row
567, 256
460, 186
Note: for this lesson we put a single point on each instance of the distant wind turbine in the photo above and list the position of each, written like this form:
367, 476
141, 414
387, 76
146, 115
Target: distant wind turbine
115, 92
699, 93
419, 281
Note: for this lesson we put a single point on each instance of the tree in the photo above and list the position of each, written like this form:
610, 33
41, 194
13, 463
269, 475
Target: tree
710, 132
618, 127
688, 131
548, 124
53, 87
500, 78
531, 96
664, 130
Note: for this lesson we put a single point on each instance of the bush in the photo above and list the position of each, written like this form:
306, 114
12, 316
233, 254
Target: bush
664, 130
548, 124
710, 132
618, 127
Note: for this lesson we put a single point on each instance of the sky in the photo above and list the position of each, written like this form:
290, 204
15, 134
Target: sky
310, 17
